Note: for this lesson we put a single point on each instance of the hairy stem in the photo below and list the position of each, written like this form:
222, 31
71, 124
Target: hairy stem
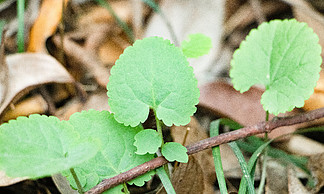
259, 128
77, 181
125, 188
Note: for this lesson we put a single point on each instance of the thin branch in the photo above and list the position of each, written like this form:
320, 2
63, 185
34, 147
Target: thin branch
209, 143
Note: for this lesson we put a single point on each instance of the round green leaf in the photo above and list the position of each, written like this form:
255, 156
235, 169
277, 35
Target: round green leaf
147, 141
197, 45
155, 74
175, 151
40, 146
282, 55
117, 155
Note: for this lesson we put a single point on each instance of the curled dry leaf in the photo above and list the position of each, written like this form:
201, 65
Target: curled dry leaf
188, 178
45, 25
33, 105
316, 166
29, 70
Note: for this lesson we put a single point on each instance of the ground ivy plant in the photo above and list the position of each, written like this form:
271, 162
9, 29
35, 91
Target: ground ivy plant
93, 145
284, 57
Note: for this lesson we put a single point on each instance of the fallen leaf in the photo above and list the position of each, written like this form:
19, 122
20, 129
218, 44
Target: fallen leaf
33, 105
276, 182
303, 146
189, 17
100, 14
4, 73
28, 70
45, 25
316, 166
244, 15
188, 178
316, 100
204, 158
245, 108
89, 60
294, 184
63, 185
6, 181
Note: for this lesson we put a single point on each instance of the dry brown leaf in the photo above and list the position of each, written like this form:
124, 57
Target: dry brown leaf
244, 16
100, 14
188, 17
294, 184
29, 70
316, 100
109, 52
89, 60
276, 178
6, 181
188, 178
4, 72
205, 158
316, 166
303, 146
32, 105
45, 25
63, 184
223, 100
97, 101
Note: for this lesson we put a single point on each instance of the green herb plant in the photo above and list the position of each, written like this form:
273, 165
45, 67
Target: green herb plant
284, 57
152, 75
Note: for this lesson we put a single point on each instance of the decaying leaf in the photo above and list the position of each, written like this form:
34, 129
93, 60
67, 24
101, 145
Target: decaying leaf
33, 105
6, 181
63, 184
204, 158
223, 100
28, 70
88, 59
188, 178
294, 184
45, 25
303, 146
316, 166
276, 178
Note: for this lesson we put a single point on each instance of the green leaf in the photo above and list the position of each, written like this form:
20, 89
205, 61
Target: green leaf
165, 179
284, 56
245, 171
118, 154
147, 141
40, 146
155, 74
175, 151
214, 131
197, 45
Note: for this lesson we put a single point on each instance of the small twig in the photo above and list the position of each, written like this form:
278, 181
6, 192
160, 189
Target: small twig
261, 127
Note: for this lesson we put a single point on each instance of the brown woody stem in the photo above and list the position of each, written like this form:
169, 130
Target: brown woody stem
261, 127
